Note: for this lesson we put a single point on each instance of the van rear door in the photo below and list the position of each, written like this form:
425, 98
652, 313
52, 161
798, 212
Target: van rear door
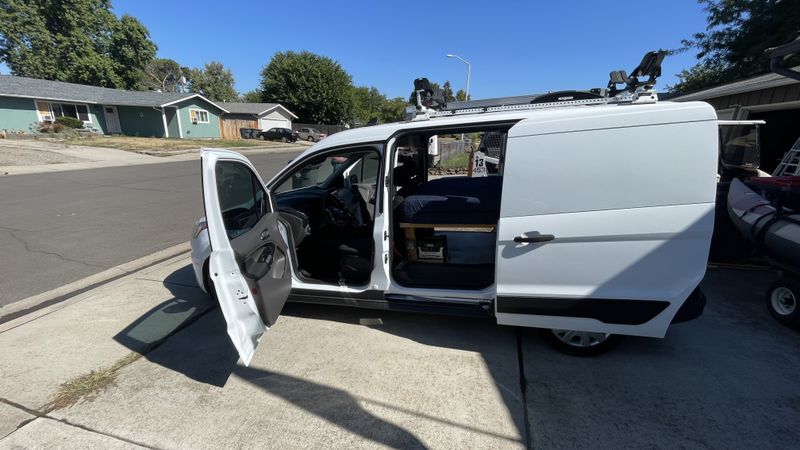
606, 217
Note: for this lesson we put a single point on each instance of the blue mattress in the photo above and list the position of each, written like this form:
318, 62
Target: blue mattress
454, 200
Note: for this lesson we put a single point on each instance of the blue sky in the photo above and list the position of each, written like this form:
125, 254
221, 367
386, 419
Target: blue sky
515, 47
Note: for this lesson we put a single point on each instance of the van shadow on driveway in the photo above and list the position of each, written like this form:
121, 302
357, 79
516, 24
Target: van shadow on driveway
203, 353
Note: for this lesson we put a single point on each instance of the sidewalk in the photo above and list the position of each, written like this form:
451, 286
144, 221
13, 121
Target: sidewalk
323, 377
19, 156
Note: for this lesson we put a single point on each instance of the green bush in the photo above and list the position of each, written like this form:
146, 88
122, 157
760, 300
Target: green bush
69, 122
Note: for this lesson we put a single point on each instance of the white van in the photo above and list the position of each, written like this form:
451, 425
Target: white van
596, 224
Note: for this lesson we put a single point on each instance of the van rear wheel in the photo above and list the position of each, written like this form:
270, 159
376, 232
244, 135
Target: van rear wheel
580, 343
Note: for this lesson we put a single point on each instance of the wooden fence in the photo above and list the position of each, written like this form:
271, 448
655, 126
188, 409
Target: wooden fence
229, 128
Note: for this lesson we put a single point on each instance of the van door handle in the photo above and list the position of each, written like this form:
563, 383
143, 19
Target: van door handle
538, 238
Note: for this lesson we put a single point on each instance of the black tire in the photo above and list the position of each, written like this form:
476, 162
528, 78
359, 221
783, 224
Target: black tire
782, 301
311, 139
588, 346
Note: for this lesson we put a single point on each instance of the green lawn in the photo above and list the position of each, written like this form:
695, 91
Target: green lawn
460, 161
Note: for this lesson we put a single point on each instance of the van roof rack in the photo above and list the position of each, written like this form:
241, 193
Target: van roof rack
431, 103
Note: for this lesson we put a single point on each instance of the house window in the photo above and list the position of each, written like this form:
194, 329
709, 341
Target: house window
49, 111
198, 115
45, 114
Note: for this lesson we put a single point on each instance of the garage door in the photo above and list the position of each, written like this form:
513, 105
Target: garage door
266, 124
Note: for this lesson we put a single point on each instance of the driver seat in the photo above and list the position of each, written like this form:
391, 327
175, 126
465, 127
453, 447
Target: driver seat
355, 249
355, 259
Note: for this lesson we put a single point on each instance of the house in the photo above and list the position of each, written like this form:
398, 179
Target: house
25, 102
771, 97
253, 115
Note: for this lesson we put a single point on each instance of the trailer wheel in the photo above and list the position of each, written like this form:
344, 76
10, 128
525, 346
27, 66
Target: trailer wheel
580, 343
782, 299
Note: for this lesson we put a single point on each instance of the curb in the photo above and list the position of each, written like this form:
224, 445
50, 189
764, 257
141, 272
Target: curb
46, 302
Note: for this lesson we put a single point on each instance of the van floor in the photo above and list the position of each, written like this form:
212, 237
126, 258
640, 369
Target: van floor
445, 275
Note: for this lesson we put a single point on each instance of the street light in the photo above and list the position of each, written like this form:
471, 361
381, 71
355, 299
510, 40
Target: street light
469, 69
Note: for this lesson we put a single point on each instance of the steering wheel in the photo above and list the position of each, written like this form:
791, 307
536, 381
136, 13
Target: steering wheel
338, 211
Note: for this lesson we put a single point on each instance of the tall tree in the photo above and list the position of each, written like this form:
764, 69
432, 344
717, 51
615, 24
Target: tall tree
314, 87
80, 41
737, 33
461, 96
163, 75
214, 82
447, 91
131, 49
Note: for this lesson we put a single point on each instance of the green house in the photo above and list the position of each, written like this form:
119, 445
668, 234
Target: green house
27, 102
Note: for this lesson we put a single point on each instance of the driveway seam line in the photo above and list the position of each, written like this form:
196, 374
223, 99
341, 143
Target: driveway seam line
40, 415
85, 428
523, 387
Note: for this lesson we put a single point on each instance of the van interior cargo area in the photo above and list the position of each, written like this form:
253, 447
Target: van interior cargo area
444, 224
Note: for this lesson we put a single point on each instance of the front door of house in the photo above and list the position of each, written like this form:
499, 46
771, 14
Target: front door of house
112, 120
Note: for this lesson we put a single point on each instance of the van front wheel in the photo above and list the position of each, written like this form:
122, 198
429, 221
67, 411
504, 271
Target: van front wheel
580, 343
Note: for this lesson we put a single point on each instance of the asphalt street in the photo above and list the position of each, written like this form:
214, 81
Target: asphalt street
56, 228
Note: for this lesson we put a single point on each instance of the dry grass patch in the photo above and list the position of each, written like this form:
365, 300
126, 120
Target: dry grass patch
131, 143
84, 386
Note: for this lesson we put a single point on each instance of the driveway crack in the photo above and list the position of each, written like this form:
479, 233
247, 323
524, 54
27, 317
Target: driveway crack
28, 248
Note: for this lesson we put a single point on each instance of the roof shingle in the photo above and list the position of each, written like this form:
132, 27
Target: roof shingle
13, 86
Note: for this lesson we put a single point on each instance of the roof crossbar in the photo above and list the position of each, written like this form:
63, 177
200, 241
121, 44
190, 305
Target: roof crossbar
635, 91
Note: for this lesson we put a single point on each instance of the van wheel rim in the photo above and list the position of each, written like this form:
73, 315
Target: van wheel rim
581, 339
783, 301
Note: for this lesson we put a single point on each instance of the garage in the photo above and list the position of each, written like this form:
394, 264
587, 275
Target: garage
274, 119
772, 98
253, 115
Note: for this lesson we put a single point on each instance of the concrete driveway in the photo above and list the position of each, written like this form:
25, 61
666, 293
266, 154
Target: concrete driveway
327, 377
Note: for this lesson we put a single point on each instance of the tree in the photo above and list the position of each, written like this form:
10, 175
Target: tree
447, 91
214, 82
737, 33
367, 103
79, 41
253, 96
393, 110
314, 87
131, 49
461, 96
163, 75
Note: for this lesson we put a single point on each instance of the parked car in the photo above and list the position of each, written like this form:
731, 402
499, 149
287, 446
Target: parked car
310, 134
278, 134
577, 234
